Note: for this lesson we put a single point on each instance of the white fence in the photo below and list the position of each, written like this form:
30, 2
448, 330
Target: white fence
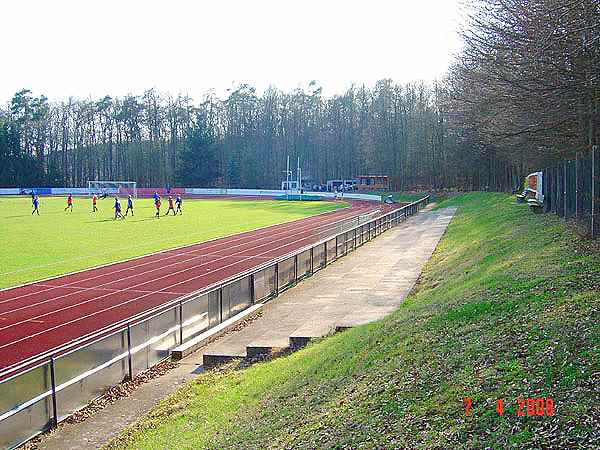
196, 191
274, 193
9, 191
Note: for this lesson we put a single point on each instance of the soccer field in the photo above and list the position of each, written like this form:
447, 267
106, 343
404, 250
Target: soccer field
58, 242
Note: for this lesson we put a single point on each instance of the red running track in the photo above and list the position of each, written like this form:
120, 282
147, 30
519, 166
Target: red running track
39, 317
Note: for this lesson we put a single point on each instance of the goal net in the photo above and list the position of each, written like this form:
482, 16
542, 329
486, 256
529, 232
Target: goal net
112, 188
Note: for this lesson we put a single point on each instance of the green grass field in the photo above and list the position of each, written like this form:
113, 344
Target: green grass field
59, 242
508, 307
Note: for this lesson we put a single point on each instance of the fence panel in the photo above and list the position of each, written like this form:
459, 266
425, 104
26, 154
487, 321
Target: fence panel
237, 296
304, 264
31, 420
164, 335
349, 237
214, 308
195, 316
287, 273
340, 242
331, 251
264, 283
359, 236
74, 391
318, 257
152, 339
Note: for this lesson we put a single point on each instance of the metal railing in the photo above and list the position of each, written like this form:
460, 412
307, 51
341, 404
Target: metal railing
37, 395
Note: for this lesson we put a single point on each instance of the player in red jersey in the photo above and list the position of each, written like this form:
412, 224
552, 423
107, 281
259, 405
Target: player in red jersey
69, 203
171, 208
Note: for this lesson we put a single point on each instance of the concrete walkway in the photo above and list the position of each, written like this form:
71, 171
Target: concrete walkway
363, 286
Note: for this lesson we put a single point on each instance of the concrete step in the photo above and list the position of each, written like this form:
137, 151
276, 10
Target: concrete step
309, 331
210, 360
267, 345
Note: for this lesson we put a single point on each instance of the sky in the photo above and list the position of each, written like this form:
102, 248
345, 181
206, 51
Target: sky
92, 48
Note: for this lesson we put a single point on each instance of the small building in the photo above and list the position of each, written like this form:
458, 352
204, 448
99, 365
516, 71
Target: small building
373, 182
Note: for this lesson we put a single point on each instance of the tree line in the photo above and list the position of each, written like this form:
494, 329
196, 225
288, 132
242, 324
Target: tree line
523, 92
526, 86
156, 139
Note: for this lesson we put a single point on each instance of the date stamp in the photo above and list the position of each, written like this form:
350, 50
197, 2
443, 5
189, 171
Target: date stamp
524, 407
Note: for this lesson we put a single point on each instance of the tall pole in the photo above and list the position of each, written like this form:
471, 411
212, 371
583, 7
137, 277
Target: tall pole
298, 175
300, 184
287, 178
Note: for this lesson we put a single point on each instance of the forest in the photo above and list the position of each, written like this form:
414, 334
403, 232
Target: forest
523, 92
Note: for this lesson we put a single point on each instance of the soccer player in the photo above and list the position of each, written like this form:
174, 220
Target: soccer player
178, 202
157, 205
118, 209
171, 208
156, 197
69, 203
94, 203
129, 206
36, 205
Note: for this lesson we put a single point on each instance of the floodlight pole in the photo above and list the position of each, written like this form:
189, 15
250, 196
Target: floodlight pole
287, 178
298, 176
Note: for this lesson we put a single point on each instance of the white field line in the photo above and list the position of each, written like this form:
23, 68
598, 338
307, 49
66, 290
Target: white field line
161, 291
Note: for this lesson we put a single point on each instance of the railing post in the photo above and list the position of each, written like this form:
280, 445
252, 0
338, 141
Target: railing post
53, 385
295, 268
129, 357
180, 322
325, 246
312, 260
221, 304
276, 279
252, 293
355, 239
337, 245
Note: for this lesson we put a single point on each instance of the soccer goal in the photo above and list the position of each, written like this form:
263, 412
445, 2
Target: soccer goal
112, 188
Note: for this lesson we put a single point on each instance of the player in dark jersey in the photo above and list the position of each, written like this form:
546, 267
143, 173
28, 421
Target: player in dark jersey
178, 202
36, 205
129, 206
118, 209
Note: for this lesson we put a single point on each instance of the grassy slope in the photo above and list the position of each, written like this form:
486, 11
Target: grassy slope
57, 242
498, 314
